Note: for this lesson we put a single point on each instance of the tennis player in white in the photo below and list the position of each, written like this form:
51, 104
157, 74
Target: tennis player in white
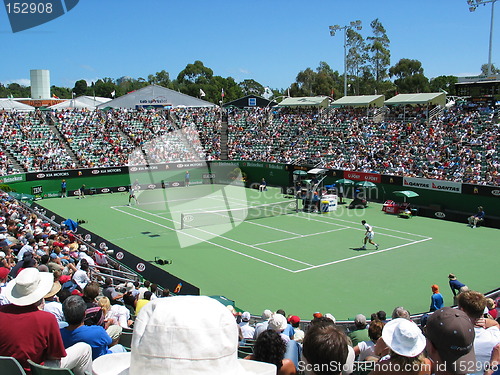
368, 235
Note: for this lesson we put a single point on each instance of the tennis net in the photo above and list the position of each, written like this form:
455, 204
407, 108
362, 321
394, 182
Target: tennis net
237, 215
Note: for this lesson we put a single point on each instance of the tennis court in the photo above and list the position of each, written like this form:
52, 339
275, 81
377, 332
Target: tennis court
301, 262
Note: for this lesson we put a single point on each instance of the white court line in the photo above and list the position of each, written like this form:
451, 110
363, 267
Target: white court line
211, 243
301, 236
225, 238
347, 221
355, 222
362, 255
425, 238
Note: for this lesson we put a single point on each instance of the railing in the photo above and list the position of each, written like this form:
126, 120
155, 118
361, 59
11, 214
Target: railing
436, 111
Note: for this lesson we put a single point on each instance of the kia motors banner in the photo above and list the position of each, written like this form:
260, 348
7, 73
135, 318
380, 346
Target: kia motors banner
436, 185
362, 176
483, 190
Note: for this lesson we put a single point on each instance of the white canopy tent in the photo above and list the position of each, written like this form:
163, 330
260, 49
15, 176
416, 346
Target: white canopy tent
10, 104
155, 96
88, 102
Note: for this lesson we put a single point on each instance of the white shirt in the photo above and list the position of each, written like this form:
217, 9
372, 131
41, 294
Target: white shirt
120, 314
80, 277
368, 227
246, 330
366, 348
55, 308
24, 249
484, 342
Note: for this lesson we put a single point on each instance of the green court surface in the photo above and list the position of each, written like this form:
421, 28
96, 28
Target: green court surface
300, 262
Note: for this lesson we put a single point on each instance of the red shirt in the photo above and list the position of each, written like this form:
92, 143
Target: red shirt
28, 333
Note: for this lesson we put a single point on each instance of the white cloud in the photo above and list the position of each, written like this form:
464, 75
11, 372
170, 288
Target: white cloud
87, 67
244, 71
21, 81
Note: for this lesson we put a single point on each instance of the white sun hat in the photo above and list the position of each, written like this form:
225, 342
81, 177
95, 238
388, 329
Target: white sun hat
182, 335
29, 286
404, 337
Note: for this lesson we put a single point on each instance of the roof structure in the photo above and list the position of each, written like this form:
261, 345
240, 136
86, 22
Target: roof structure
437, 98
360, 101
250, 101
306, 101
155, 96
10, 104
89, 102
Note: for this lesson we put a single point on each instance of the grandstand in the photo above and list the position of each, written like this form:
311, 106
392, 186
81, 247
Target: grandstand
108, 149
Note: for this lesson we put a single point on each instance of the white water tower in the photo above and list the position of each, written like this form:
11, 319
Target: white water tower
40, 84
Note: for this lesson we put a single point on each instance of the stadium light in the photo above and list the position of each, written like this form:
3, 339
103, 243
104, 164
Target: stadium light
352, 25
473, 4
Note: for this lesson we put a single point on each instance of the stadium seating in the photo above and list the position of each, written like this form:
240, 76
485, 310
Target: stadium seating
457, 144
10, 366
37, 369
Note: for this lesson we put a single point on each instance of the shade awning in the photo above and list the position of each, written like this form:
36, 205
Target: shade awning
437, 98
306, 101
360, 101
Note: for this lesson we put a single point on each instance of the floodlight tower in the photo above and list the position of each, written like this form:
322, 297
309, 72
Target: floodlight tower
473, 4
352, 25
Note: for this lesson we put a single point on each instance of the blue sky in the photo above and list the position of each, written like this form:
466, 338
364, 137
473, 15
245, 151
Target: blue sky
269, 41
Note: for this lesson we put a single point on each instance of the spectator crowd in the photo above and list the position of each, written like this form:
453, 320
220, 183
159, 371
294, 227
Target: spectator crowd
56, 309
457, 144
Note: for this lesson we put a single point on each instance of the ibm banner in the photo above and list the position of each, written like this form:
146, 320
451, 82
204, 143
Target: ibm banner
436, 185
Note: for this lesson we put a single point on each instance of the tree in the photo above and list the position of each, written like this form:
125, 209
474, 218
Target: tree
80, 87
160, 78
16, 90
380, 56
104, 87
326, 82
195, 73
61, 92
357, 56
251, 87
410, 76
484, 69
304, 83
446, 83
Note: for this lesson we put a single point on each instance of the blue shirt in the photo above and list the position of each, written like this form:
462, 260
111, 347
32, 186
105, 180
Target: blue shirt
455, 285
289, 331
95, 336
437, 301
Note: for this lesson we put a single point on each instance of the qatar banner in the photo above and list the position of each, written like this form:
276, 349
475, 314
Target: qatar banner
362, 176
436, 185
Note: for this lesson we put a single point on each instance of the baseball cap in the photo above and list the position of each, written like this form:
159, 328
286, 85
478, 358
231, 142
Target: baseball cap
360, 319
294, 319
4, 272
452, 334
277, 323
245, 316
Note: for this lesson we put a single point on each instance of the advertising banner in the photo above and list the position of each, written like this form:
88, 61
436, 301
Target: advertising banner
362, 176
436, 185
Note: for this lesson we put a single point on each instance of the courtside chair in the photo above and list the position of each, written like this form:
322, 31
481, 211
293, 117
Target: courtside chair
10, 366
37, 369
